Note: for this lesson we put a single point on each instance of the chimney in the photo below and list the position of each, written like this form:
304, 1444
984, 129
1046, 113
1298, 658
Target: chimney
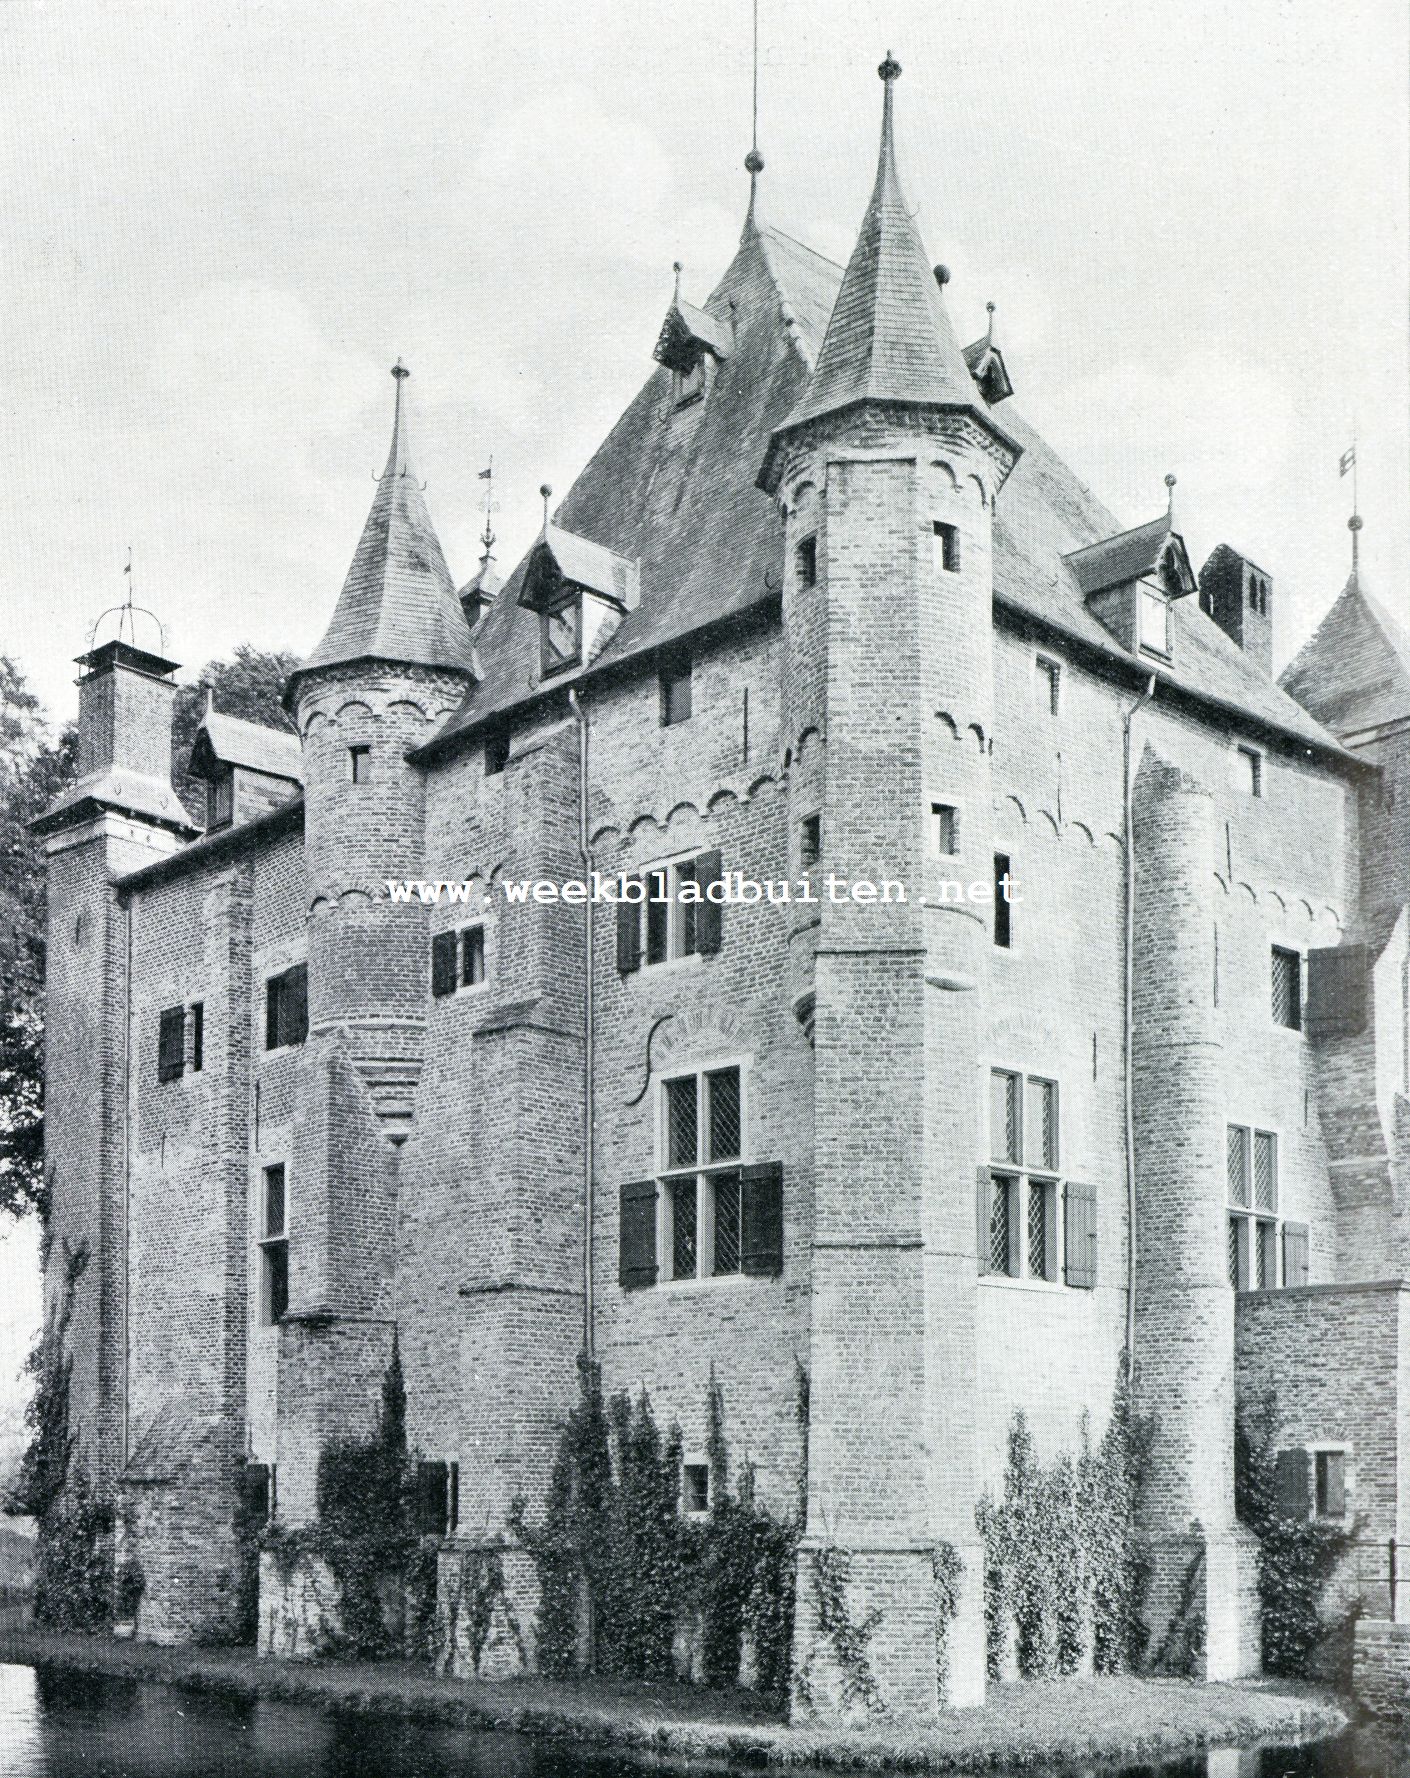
1238, 595
125, 701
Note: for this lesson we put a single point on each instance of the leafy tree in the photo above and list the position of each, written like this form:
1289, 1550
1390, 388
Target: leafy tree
35, 765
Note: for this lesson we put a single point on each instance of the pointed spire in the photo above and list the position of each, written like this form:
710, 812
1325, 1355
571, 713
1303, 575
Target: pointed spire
398, 602
890, 337
753, 161
1354, 524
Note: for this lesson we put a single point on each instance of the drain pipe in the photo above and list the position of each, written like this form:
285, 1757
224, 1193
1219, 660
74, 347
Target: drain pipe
125, 1430
1128, 971
588, 1023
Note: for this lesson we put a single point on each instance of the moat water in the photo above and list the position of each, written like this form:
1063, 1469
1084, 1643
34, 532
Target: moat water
55, 1726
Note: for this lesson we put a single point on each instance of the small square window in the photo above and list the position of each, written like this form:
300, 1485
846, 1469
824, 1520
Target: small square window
496, 753
472, 956
807, 560
1003, 907
946, 548
695, 1489
944, 830
1287, 988
810, 840
360, 762
1251, 770
675, 692
1049, 680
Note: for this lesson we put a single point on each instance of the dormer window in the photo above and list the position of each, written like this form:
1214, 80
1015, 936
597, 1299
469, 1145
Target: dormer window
561, 635
220, 800
1153, 618
690, 382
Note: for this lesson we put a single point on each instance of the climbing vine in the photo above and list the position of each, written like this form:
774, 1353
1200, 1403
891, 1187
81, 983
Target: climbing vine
73, 1570
1064, 1558
849, 1638
1297, 1555
614, 1549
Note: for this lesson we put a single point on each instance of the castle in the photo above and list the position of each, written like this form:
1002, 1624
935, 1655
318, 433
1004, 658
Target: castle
1121, 1068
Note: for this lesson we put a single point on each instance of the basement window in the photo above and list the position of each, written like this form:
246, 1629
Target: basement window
945, 550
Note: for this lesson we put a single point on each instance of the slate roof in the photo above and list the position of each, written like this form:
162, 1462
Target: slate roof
676, 492
686, 326
586, 564
398, 602
889, 336
1353, 672
232, 741
116, 788
1115, 561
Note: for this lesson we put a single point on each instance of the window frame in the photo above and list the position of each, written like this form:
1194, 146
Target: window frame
1251, 776
171, 1052
220, 799
273, 1246
274, 1038
1319, 1454
551, 664
810, 840
691, 383
1150, 599
1003, 922
1285, 956
1022, 1177
681, 918
701, 1466
1254, 1230
705, 1172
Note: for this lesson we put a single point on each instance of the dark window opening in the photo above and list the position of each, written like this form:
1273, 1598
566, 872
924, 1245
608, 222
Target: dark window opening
810, 840
1049, 681
1330, 1472
1003, 910
675, 692
360, 763
220, 801
171, 1044
807, 558
1251, 762
560, 633
944, 830
198, 1037
274, 1247
286, 1008
690, 382
496, 753
695, 1487
1287, 988
946, 548
472, 956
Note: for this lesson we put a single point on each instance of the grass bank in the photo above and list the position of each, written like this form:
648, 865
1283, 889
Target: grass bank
1037, 1722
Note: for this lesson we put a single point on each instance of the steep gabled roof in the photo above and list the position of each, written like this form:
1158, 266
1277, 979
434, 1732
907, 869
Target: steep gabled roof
231, 741
398, 602
1130, 555
1353, 672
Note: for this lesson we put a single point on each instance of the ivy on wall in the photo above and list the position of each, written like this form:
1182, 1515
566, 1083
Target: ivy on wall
1297, 1555
73, 1585
616, 1559
1065, 1561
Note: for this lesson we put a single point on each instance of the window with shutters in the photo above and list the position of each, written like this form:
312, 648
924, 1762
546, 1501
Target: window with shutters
171, 1043
712, 1212
1287, 988
274, 1245
1257, 1238
1024, 1236
669, 914
286, 1008
458, 960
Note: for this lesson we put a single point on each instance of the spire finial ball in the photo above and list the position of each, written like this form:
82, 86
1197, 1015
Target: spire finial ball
399, 370
753, 161
1170, 481
942, 275
546, 491
989, 307
1355, 522
890, 69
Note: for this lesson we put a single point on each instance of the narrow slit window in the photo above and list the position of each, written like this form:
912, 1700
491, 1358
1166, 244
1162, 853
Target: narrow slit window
810, 841
472, 956
198, 1036
1003, 909
1049, 682
360, 763
946, 548
1287, 988
807, 561
675, 692
1251, 770
944, 830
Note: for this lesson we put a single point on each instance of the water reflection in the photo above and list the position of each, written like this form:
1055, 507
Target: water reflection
55, 1725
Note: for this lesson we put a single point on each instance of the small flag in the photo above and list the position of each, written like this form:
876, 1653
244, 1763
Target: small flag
1348, 459
485, 474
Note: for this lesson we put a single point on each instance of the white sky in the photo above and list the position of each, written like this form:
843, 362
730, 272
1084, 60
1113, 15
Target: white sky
221, 223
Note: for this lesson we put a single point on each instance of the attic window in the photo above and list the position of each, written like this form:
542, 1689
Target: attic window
1154, 620
560, 634
690, 382
220, 800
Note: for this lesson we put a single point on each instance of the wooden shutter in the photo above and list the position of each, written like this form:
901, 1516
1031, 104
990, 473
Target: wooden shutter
636, 1252
761, 1219
293, 1004
983, 1209
1080, 1236
709, 915
1336, 991
432, 1497
628, 936
171, 1043
443, 964
1292, 1484
271, 1013
1295, 1254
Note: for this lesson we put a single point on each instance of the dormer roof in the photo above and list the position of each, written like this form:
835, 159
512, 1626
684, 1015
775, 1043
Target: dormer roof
987, 367
398, 602
562, 558
1149, 552
231, 741
687, 332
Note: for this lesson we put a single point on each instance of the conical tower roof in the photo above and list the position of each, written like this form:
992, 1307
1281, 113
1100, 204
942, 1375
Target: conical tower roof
890, 338
398, 602
1353, 672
